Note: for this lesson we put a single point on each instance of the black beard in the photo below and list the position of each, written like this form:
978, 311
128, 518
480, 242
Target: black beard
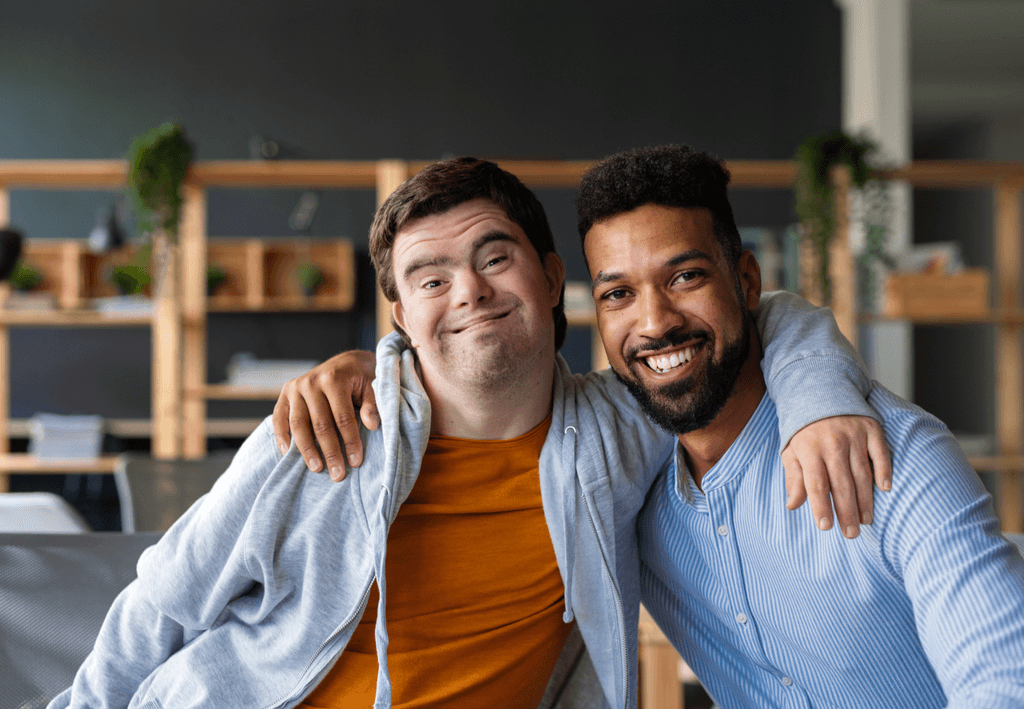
710, 388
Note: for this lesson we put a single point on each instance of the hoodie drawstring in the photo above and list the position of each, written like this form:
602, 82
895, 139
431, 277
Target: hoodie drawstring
569, 463
380, 544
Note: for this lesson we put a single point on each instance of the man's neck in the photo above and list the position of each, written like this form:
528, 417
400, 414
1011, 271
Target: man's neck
706, 446
461, 410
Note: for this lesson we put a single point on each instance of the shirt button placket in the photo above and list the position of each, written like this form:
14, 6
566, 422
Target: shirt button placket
723, 531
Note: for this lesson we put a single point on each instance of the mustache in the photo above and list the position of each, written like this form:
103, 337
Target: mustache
672, 339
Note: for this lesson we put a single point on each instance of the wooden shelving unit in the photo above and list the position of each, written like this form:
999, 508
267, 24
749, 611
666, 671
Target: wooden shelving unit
63, 264
258, 267
179, 324
1006, 181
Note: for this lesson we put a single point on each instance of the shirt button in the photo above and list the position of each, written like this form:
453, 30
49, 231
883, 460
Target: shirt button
786, 681
741, 618
723, 531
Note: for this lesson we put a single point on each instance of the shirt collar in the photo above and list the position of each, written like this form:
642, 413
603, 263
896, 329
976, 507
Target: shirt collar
762, 426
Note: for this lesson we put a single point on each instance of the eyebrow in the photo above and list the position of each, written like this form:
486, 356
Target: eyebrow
603, 277
478, 243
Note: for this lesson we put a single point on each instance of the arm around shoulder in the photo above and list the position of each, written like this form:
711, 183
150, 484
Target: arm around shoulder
812, 372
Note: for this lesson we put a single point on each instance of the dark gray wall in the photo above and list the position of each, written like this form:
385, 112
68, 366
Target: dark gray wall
365, 80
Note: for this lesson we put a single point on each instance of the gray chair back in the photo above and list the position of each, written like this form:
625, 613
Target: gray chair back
1016, 539
154, 493
55, 590
574, 683
38, 512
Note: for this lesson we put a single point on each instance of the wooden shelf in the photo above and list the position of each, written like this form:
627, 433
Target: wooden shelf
579, 318
998, 463
286, 304
64, 174
71, 318
143, 428
1002, 316
285, 173
232, 392
22, 463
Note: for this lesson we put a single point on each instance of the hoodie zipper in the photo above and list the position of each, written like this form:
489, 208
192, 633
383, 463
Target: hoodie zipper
618, 605
325, 643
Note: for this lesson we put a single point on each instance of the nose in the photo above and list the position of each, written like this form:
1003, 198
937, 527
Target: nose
656, 315
472, 287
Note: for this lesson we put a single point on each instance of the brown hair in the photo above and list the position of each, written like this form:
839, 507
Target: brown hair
447, 184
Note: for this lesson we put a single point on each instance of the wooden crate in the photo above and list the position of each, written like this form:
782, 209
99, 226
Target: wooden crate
922, 295
261, 274
60, 263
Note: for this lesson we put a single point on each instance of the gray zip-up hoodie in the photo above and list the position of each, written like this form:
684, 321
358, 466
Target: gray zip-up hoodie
249, 599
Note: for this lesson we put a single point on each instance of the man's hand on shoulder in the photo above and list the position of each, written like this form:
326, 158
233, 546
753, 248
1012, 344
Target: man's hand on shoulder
318, 409
845, 456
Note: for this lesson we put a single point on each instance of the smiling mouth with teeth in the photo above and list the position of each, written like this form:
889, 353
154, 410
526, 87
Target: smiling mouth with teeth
662, 363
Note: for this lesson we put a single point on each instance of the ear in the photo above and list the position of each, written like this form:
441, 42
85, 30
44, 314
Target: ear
749, 273
398, 315
554, 269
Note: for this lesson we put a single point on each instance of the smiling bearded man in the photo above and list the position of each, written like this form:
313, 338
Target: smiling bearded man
767, 611
693, 402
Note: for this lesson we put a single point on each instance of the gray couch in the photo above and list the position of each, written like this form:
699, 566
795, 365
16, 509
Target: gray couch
54, 593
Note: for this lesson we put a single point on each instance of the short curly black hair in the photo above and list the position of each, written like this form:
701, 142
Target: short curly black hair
667, 175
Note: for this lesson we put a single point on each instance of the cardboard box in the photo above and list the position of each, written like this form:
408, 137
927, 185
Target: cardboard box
923, 295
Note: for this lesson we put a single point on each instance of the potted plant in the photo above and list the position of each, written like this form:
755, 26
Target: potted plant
816, 195
309, 277
215, 277
129, 279
25, 278
158, 164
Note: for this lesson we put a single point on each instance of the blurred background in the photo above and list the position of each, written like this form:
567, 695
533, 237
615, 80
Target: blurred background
360, 80
521, 79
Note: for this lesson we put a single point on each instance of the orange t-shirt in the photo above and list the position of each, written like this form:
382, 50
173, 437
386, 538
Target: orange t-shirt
475, 599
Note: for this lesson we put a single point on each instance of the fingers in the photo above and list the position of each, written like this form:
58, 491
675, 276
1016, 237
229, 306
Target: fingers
817, 484
840, 460
323, 414
863, 482
340, 418
368, 410
796, 493
844, 493
302, 433
282, 432
881, 460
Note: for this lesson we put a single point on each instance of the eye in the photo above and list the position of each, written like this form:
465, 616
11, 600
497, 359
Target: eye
495, 260
615, 294
430, 285
688, 275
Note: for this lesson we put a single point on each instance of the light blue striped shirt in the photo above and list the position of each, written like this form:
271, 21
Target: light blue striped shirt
925, 607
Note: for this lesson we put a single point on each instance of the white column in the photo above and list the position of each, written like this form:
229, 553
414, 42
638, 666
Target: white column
876, 101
